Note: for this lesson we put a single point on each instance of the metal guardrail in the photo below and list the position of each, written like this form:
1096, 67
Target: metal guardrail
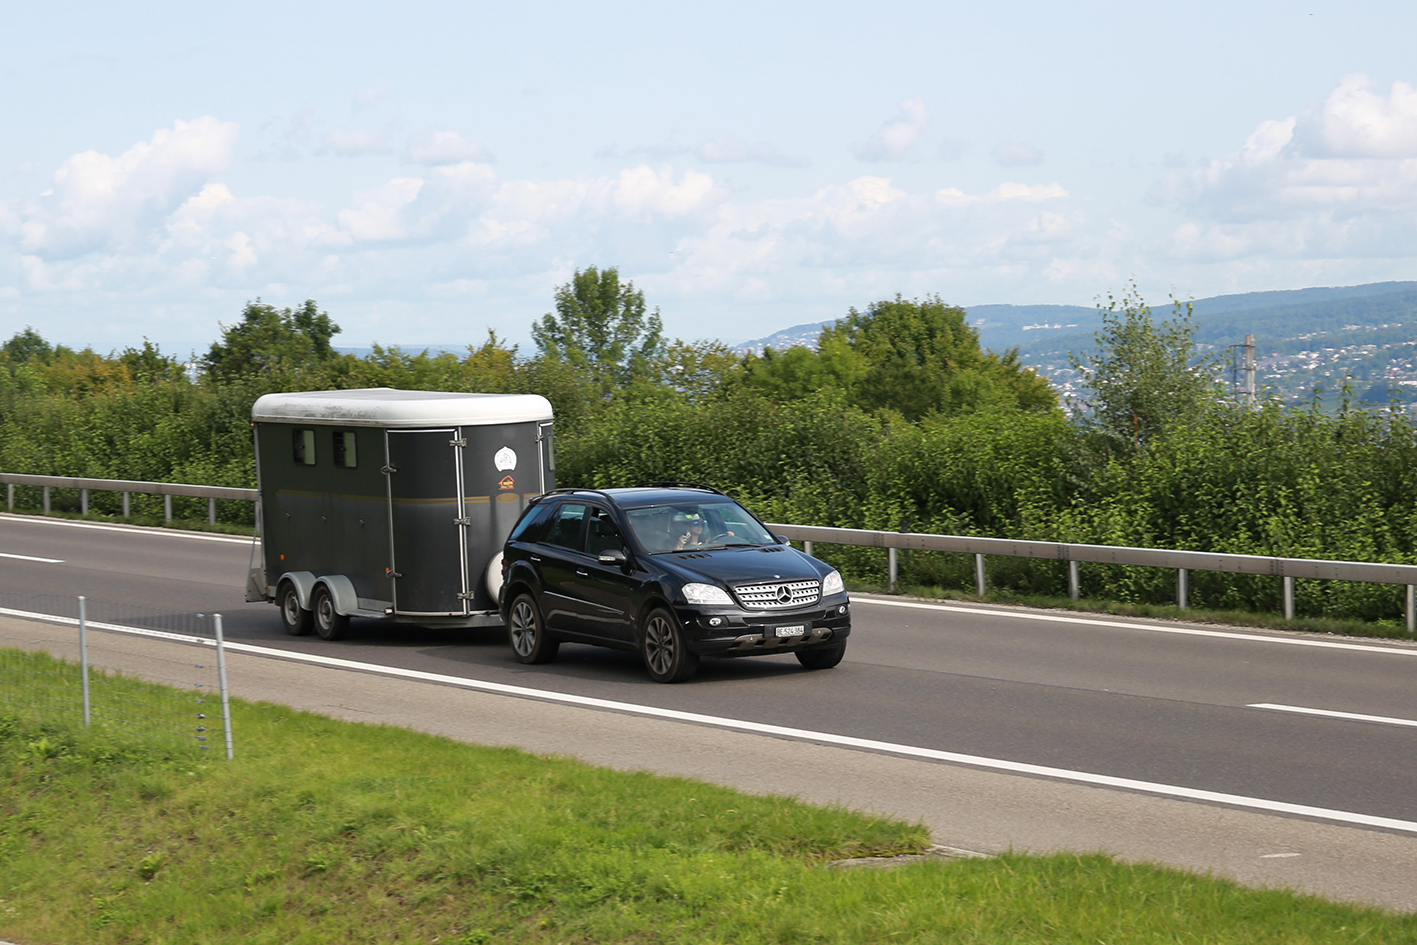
1182, 562
127, 487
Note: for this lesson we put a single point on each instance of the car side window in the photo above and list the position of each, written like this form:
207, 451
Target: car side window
603, 534
566, 526
533, 524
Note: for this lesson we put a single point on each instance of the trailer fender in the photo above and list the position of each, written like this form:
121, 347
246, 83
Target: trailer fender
494, 577
304, 583
342, 591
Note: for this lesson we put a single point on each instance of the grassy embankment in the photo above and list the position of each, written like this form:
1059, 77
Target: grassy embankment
325, 831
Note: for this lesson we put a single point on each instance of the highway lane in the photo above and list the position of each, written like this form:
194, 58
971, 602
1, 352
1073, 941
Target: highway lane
1099, 695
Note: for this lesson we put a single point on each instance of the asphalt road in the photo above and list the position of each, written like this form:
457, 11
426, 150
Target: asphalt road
1154, 702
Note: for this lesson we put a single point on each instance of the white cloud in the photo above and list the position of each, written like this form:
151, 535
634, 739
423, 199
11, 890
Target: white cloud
444, 147
1014, 154
352, 142
99, 202
1339, 179
898, 135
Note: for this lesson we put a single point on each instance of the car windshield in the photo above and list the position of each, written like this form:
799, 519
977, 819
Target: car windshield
696, 525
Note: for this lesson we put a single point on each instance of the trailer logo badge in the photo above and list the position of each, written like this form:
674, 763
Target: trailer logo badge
506, 459
507, 483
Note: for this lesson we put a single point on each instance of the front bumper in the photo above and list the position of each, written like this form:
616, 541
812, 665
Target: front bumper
734, 632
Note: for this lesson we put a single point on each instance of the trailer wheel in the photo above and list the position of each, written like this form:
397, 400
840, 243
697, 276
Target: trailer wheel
330, 624
295, 618
527, 633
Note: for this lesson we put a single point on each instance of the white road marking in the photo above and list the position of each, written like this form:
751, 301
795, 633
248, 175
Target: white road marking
129, 529
778, 731
1277, 856
1329, 713
1153, 628
33, 558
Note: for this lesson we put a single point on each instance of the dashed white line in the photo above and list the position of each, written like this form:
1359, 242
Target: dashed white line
1150, 627
32, 558
1329, 713
780, 731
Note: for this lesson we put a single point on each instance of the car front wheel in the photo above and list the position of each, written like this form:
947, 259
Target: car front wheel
526, 633
666, 656
822, 657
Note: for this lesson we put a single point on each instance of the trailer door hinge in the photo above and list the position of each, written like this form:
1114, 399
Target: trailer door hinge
466, 595
461, 442
462, 521
389, 469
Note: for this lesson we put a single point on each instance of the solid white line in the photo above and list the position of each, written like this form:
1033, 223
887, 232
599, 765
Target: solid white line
1329, 713
1153, 628
129, 529
779, 731
33, 558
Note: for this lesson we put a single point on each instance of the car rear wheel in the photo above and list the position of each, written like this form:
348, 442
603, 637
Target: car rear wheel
822, 657
293, 617
527, 634
330, 624
666, 657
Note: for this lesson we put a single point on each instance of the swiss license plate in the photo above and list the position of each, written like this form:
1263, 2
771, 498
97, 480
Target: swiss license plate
796, 630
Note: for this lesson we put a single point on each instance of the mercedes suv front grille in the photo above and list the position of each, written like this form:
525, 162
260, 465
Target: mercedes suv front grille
779, 594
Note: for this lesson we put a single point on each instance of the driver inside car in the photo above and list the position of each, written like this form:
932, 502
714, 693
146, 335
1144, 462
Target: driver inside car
688, 532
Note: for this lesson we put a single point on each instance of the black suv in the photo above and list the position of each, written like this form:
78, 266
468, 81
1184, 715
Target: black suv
674, 572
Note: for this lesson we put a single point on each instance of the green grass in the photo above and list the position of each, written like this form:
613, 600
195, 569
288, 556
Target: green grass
325, 831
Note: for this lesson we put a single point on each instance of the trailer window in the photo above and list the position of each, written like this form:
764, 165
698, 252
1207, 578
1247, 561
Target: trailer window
346, 454
304, 442
566, 526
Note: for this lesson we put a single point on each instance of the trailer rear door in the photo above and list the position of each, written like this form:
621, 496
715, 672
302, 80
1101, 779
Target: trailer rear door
424, 470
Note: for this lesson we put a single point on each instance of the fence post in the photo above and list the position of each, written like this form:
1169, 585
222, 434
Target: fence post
225, 693
211, 511
126, 508
1183, 588
46, 500
84, 656
892, 567
1288, 597
1411, 608
84, 501
167, 507
979, 575
1074, 581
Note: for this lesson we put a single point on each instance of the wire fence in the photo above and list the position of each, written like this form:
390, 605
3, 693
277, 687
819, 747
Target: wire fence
158, 675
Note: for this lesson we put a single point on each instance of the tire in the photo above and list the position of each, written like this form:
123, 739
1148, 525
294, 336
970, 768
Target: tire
666, 656
527, 633
822, 657
330, 624
293, 617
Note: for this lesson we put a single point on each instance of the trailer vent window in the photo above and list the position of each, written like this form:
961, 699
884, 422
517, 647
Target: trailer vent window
304, 441
346, 454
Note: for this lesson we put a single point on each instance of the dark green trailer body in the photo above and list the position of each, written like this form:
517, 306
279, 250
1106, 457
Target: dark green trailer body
395, 504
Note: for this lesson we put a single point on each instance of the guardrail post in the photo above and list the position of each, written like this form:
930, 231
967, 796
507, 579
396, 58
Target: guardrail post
1074, 581
979, 587
1288, 597
167, 507
1183, 588
1411, 608
211, 511
84, 655
10, 496
807, 546
126, 509
892, 567
84, 501
46, 500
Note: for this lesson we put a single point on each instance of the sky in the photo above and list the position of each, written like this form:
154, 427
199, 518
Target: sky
428, 172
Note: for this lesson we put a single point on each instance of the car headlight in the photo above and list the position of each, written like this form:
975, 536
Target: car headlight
832, 584
706, 594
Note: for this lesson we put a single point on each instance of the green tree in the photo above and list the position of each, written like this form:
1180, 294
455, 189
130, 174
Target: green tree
601, 328
1143, 377
25, 345
269, 340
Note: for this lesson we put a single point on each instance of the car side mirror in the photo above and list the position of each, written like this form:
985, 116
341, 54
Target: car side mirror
614, 557
782, 539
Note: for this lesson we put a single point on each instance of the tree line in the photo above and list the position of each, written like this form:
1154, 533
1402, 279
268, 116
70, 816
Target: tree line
898, 419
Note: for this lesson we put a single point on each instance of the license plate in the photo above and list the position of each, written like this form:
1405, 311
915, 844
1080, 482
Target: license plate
796, 630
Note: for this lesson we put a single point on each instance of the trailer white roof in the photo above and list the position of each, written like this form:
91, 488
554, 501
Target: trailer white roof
387, 407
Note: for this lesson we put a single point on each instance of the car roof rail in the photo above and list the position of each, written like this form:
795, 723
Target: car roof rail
572, 490
666, 484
